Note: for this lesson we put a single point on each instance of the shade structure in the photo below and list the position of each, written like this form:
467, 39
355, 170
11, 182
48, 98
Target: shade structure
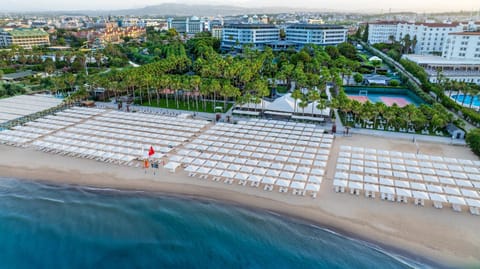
400, 174
385, 172
420, 195
216, 172
433, 179
470, 193
191, 168
472, 202
241, 176
370, 179
455, 200
286, 175
438, 197
315, 179
418, 186
273, 173
341, 175
282, 182
228, 174
300, 177
259, 171
452, 191
172, 166
233, 167
318, 172
403, 192
459, 175
443, 173
387, 190
254, 178
414, 176
464, 183
371, 187
402, 184
209, 163
340, 183
356, 168
312, 187
434, 188
356, 177
371, 171
386, 181
268, 180
297, 185
355, 185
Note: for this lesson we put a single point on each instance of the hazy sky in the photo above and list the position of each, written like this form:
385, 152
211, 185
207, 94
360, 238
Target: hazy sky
339, 5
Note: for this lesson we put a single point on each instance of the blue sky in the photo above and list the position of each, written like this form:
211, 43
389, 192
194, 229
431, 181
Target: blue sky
339, 5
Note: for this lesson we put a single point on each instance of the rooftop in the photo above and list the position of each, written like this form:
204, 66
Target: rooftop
251, 26
315, 26
431, 59
24, 32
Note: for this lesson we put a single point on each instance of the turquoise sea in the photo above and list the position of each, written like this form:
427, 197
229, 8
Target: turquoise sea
65, 226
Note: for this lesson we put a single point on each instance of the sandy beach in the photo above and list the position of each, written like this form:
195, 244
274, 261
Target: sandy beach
441, 236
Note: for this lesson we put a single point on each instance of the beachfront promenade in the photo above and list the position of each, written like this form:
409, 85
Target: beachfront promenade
277, 156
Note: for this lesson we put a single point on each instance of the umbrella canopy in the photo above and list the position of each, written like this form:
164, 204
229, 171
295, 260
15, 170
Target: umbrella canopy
340, 183
434, 188
286, 175
315, 179
312, 187
371, 187
452, 191
438, 197
403, 192
470, 193
387, 190
298, 185
472, 202
402, 184
191, 168
386, 181
371, 179
355, 185
418, 186
356, 177
254, 178
341, 175
456, 200
282, 182
268, 180
241, 176
420, 195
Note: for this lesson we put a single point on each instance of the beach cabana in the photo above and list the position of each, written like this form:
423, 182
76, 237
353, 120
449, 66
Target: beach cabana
355, 187
313, 188
420, 197
403, 195
269, 182
242, 178
340, 185
298, 188
387, 193
283, 184
370, 190
438, 200
255, 180
456, 202
172, 166
474, 206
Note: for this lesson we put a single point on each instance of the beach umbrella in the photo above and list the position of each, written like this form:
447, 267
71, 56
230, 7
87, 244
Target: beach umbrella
470, 193
241, 176
312, 187
386, 181
268, 180
464, 183
203, 170
402, 184
298, 185
418, 186
286, 175
247, 169
452, 191
300, 177
228, 174
340, 183
216, 172
433, 179
434, 188
447, 181
356, 168
403, 192
282, 182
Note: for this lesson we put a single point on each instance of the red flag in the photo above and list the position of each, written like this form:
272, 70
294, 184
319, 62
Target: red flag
151, 151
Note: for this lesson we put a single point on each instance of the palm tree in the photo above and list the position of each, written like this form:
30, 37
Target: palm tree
303, 104
296, 95
313, 96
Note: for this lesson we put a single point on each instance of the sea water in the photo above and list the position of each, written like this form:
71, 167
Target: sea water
65, 226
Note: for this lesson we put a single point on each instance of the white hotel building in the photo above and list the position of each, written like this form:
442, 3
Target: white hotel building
258, 35
317, 34
460, 60
430, 37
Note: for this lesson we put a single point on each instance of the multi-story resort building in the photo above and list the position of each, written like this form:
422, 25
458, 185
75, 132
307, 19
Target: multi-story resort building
426, 38
317, 34
187, 26
382, 31
297, 36
258, 35
460, 60
24, 37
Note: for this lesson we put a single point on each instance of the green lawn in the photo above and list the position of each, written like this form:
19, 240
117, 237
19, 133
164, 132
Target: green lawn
282, 89
183, 105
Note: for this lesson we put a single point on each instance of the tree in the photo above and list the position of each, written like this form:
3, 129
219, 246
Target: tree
358, 78
473, 140
313, 96
303, 104
296, 95
49, 66
347, 50
365, 34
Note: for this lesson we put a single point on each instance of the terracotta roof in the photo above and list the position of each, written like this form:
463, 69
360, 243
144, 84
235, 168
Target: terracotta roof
387, 22
453, 24
466, 33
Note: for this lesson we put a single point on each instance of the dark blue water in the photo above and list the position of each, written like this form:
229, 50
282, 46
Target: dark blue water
50, 226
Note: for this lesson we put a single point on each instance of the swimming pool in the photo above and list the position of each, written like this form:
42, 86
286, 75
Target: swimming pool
468, 99
388, 96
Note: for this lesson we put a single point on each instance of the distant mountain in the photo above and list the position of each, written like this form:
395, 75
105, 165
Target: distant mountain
173, 9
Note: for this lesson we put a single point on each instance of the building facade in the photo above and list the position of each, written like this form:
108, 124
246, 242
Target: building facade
462, 45
317, 34
258, 35
191, 25
24, 37
426, 38
382, 31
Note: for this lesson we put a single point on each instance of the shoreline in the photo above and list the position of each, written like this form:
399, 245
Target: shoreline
432, 237
399, 254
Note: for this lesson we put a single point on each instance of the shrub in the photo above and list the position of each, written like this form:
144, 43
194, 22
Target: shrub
473, 141
394, 83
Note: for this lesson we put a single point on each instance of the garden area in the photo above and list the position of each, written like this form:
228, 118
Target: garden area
424, 119
192, 105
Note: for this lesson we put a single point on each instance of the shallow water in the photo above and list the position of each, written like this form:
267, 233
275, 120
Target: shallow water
64, 226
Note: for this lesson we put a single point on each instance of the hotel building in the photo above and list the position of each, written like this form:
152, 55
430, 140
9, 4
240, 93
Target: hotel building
24, 37
317, 34
258, 35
